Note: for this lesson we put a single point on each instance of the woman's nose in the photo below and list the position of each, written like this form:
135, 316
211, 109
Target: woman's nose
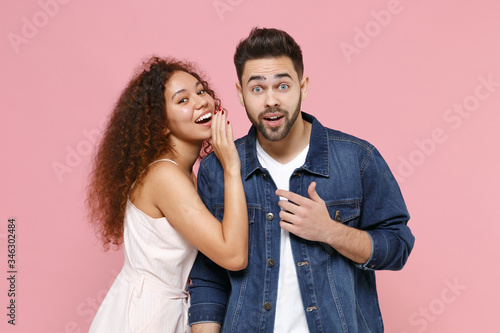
200, 101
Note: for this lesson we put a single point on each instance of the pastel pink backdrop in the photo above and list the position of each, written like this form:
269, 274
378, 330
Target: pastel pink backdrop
419, 79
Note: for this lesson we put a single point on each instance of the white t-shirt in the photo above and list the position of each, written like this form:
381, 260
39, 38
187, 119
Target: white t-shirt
290, 314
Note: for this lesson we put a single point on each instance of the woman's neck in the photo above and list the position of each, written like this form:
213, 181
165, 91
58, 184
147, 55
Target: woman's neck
184, 154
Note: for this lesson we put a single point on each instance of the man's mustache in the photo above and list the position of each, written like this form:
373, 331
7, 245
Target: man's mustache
274, 109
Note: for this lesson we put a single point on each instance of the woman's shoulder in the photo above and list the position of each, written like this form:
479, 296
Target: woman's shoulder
162, 181
158, 176
164, 171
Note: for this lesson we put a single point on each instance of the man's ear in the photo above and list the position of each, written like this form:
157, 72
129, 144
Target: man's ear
304, 85
239, 90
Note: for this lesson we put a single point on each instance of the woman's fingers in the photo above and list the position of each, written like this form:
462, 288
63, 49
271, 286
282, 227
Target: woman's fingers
219, 123
223, 142
222, 127
214, 126
229, 132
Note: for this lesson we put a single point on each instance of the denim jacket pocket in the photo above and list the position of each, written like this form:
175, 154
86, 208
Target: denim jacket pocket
344, 212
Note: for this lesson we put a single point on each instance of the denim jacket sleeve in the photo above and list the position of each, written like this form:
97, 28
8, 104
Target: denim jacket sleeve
384, 216
209, 282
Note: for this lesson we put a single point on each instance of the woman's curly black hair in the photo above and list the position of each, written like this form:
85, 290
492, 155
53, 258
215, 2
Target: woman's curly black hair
134, 137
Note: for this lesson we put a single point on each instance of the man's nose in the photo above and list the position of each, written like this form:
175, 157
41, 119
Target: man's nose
271, 99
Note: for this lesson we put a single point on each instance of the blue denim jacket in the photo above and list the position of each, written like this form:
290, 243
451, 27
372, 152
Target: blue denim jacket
338, 295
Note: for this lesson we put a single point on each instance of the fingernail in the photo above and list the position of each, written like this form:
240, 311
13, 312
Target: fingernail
222, 111
215, 112
228, 122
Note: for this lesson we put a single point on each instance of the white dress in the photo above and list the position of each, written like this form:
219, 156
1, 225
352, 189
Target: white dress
150, 293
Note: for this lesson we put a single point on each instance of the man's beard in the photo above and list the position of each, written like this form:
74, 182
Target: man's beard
275, 133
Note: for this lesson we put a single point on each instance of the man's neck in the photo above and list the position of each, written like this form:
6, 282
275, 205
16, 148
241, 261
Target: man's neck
287, 149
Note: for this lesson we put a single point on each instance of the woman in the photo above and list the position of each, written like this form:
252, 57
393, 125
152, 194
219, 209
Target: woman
142, 193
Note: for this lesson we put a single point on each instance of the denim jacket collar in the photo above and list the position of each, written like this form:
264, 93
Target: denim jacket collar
317, 157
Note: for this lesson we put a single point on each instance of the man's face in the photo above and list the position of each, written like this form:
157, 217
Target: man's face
271, 92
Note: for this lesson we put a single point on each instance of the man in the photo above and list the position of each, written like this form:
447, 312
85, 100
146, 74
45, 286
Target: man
323, 207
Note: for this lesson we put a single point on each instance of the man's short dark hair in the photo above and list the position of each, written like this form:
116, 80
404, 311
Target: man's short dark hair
268, 43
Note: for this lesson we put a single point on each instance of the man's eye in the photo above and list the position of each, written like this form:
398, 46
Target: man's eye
257, 89
283, 86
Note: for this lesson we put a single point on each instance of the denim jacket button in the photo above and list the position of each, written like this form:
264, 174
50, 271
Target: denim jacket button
270, 216
270, 262
267, 306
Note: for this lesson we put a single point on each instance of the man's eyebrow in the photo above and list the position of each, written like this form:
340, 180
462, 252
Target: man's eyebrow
256, 77
281, 75
183, 90
261, 78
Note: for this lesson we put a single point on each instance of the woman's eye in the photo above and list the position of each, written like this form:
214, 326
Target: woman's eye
183, 100
201, 92
283, 86
257, 89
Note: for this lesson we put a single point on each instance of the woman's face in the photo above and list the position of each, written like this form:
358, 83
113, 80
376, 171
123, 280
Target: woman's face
189, 107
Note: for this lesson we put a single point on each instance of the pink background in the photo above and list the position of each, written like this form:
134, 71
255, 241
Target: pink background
394, 72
